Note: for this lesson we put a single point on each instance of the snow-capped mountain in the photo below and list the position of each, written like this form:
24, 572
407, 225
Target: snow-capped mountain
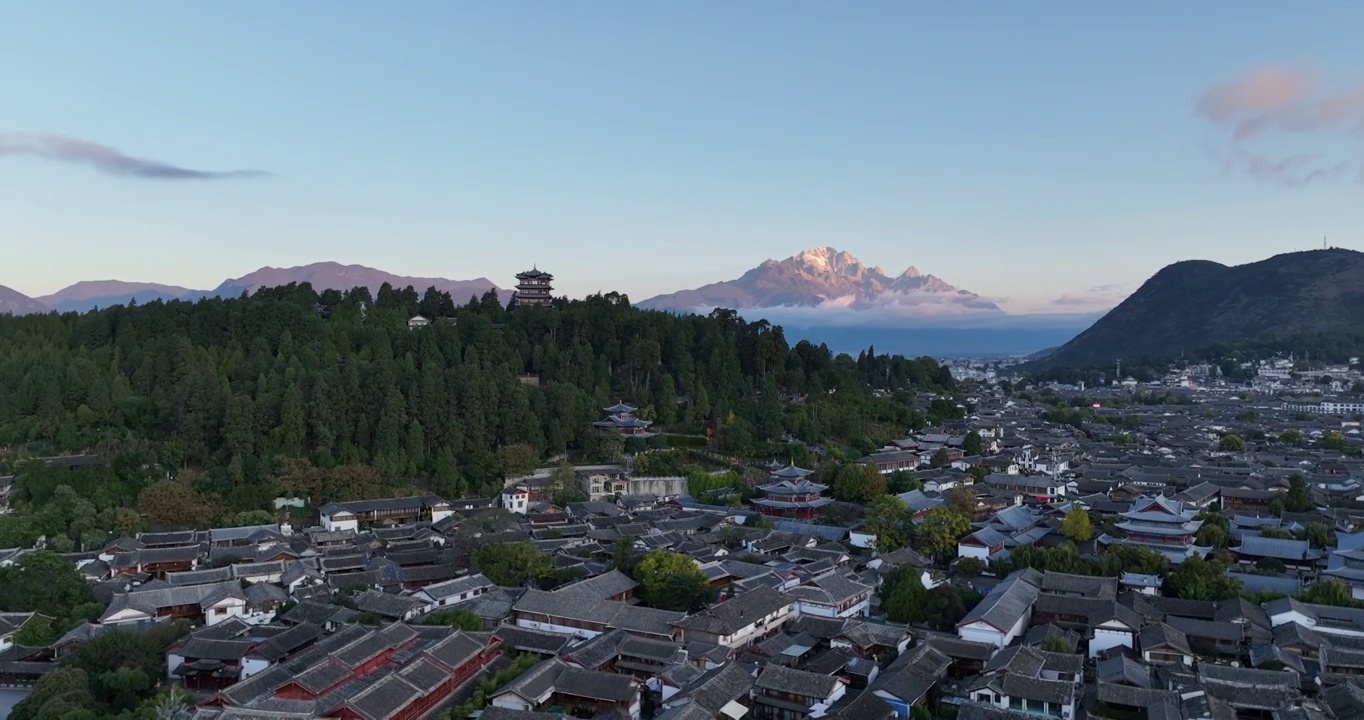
824, 278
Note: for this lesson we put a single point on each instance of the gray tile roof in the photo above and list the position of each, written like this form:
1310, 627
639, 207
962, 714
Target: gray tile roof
786, 680
730, 616
1006, 604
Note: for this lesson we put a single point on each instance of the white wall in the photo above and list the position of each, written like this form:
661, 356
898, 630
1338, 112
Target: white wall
173, 661
859, 609
975, 551
512, 702
551, 627
251, 666
1105, 638
981, 632
333, 525
232, 606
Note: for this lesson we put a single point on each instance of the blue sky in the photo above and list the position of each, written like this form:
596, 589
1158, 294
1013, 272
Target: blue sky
1027, 152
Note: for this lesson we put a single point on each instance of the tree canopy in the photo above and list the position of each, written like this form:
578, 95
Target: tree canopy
672, 581
330, 395
513, 564
1077, 525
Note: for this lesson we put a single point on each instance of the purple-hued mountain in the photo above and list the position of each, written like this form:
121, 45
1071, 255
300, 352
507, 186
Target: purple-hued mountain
13, 302
335, 276
826, 279
91, 294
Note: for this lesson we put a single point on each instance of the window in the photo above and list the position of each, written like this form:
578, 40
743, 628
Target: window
1016, 703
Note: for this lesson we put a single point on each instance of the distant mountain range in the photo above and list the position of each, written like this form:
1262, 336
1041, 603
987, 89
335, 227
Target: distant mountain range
335, 276
90, 294
13, 302
87, 295
824, 280
1196, 304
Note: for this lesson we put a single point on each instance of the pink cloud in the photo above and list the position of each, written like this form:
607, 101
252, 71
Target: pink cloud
1256, 92
1283, 102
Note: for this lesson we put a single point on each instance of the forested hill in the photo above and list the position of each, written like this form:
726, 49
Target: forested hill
247, 391
1190, 306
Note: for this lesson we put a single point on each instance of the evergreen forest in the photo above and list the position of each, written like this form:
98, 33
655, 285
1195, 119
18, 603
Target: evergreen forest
222, 405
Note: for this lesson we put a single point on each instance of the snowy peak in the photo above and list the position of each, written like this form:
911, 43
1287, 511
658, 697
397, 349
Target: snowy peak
825, 277
825, 260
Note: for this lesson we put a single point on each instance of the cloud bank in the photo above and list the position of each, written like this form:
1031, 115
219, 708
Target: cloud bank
1275, 107
105, 159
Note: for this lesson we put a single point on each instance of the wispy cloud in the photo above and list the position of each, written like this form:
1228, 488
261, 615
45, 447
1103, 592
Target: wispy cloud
61, 148
1097, 297
1082, 300
1283, 102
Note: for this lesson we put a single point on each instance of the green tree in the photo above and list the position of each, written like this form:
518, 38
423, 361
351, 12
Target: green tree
947, 604
972, 444
1270, 566
513, 564
62, 692
1077, 526
1211, 536
1298, 499
175, 504
1199, 579
461, 619
1291, 437
37, 632
45, 582
518, 459
971, 567
1328, 592
940, 459
1231, 443
890, 520
962, 501
1318, 534
859, 483
903, 481
903, 597
1058, 644
672, 581
940, 529
1334, 440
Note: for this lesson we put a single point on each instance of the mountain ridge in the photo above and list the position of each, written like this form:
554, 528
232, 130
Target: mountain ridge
90, 294
13, 302
331, 275
326, 275
1194, 304
827, 278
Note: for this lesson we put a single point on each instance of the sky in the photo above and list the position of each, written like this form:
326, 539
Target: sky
1049, 156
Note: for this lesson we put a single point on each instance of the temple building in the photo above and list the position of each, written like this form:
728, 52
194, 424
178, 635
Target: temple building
621, 418
792, 496
533, 288
1161, 524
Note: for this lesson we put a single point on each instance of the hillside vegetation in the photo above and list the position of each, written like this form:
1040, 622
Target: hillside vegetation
1192, 306
331, 396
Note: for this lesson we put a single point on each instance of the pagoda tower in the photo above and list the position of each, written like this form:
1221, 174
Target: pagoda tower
533, 288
